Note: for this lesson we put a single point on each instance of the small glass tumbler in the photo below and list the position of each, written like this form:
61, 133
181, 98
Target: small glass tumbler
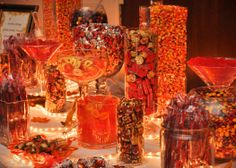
97, 121
187, 148
14, 121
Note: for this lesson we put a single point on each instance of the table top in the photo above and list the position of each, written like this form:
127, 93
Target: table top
151, 146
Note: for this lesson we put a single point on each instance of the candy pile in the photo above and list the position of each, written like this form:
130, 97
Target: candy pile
55, 90
130, 131
93, 162
13, 108
41, 151
169, 23
61, 11
221, 105
98, 35
140, 68
185, 138
87, 15
49, 19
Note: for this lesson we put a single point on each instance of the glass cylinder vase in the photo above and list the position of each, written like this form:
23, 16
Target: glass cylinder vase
188, 148
130, 131
140, 68
97, 121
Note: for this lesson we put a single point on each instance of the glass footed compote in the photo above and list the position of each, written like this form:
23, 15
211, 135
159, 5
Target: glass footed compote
41, 51
219, 99
95, 113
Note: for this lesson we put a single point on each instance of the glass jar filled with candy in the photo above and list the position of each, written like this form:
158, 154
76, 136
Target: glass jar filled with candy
141, 63
219, 100
186, 140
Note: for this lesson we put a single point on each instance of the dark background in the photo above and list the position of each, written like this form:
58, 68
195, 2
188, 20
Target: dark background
211, 28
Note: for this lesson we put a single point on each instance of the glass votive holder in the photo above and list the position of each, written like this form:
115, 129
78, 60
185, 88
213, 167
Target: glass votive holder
187, 148
97, 121
14, 125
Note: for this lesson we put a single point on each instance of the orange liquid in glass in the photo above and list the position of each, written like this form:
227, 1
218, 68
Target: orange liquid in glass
40, 50
97, 121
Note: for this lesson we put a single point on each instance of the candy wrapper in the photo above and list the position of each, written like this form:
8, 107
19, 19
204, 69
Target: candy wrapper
140, 68
130, 131
186, 140
91, 162
55, 90
14, 112
169, 24
102, 36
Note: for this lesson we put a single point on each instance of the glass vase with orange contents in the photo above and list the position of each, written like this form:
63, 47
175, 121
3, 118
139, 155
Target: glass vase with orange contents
97, 121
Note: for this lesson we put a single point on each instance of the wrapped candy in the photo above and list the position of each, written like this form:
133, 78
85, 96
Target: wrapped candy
104, 36
19, 62
140, 68
130, 131
55, 90
14, 112
186, 140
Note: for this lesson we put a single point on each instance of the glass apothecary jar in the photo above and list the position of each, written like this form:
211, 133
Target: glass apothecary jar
220, 103
187, 148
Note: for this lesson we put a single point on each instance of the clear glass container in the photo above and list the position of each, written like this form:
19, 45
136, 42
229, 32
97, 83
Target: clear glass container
220, 102
140, 68
14, 108
187, 148
89, 13
97, 121
130, 140
14, 121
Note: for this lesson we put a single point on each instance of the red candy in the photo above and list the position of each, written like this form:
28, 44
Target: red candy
140, 68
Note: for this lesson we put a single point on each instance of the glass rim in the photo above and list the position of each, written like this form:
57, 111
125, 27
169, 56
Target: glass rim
186, 130
116, 98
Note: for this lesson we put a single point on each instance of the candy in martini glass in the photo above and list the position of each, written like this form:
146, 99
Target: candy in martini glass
219, 99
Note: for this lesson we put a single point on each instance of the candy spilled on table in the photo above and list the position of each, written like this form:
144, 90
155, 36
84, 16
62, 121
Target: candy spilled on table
186, 140
130, 131
169, 24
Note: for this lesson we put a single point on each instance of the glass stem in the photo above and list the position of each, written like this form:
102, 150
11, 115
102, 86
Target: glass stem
41, 76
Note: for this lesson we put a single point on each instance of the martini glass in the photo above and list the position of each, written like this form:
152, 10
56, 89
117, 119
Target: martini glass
219, 99
41, 51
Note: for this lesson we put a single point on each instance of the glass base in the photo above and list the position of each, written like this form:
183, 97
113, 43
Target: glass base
97, 146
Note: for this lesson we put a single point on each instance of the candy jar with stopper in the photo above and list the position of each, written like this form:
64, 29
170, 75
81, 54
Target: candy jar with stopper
41, 50
219, 99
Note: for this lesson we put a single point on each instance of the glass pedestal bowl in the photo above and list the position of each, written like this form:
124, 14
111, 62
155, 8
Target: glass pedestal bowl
219, 100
